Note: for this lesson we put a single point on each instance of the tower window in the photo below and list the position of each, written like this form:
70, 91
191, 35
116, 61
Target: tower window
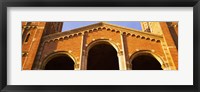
148, 30
27, 37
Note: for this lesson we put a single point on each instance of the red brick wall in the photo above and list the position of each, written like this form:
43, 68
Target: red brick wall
69, 44
36, 30
170, 43
104, 34
31, 46
73, 44
134, 43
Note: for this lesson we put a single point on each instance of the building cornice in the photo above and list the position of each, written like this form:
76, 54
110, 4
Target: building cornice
99, 26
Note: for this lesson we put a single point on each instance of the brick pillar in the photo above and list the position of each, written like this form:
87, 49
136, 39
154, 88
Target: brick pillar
30, 47
170, 46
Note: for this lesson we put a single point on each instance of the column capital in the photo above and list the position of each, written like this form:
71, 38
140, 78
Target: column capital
76, 66
120, 53
165, 66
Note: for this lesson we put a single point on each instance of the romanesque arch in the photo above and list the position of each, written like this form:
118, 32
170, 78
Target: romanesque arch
59, 61
145, 60
102, 55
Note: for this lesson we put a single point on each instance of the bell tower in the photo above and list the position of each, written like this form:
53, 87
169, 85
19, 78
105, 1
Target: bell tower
152, 27
52, 27
32, 33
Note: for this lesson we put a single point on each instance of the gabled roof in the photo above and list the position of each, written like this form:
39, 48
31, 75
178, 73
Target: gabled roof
103, 25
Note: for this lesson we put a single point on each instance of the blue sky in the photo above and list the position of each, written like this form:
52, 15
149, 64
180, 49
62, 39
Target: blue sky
76, 24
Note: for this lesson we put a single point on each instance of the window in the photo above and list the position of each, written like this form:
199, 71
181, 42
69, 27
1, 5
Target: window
27, 37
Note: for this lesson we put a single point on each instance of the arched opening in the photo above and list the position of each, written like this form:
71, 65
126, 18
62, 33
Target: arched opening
61, 62
102, 57
145, 62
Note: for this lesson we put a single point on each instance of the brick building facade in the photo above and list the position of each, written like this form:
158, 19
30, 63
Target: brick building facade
100, 46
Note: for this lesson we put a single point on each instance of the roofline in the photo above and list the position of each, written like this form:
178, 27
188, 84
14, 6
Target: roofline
100, 24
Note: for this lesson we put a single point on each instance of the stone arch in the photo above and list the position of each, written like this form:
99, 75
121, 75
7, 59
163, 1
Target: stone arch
53, 55
98, 42
149, 53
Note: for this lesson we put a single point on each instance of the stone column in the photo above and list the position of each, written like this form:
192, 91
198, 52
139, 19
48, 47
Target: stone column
77, 66
122, 55
165, 66
83, 60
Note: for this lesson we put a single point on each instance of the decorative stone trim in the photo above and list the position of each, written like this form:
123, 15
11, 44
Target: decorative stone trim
30, 27
152, 50
113, 30
95, 29
69, 51
128, 34
158, 41
80, 34
124, 33
101, 37
171, 46
138, 36
173, 25
147, 38
142, 37
99, 28
61, 38
108, 29
76, 66
166, 65
133, 35
106, 26
117, 31
153, 40
24, 54
120, 53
